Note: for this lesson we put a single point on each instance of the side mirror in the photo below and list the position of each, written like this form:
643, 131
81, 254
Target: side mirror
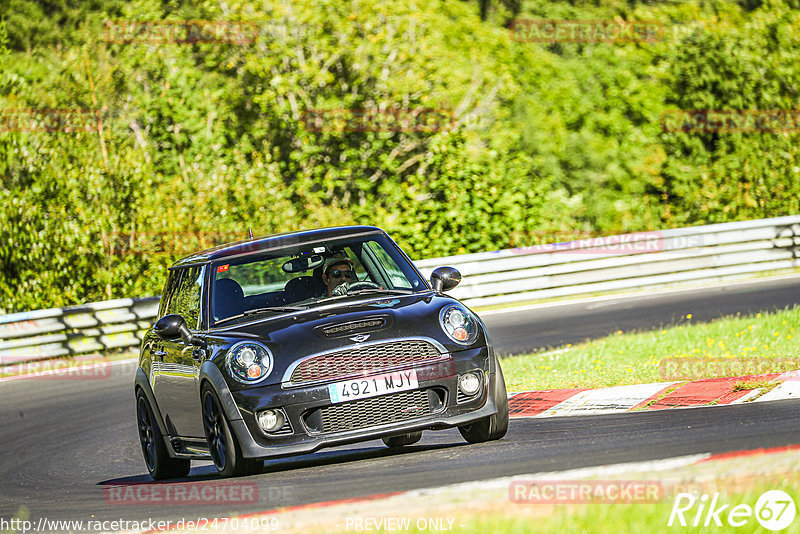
445, 278
172, 326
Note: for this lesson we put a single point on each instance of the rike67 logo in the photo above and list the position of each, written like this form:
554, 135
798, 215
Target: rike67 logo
774, 510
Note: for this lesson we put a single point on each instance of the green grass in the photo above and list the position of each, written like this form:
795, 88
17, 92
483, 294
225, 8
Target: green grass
604, 518
731, 346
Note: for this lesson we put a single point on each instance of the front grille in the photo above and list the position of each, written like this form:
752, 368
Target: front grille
373, 412
364, 358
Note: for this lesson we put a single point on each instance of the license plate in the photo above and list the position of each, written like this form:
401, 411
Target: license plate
362, 388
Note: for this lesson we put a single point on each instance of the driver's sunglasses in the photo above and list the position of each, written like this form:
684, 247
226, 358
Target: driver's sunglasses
336, 273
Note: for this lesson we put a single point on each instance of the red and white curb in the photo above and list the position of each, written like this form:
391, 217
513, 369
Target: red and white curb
656, 396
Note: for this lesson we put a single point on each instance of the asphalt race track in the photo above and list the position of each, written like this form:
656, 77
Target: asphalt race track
65, 443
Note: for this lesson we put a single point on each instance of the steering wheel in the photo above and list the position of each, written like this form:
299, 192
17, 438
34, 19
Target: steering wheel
363, 285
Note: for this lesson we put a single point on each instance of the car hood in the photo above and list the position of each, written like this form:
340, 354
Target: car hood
294, 336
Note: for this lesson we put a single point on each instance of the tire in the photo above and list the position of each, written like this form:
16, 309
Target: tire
495, 426
226, 453
396, 442
156, 456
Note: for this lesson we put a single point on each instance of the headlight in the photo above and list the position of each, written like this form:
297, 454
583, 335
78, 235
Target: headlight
458, 324
249, 362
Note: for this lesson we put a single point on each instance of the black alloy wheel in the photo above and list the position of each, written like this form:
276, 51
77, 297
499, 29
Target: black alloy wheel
495, 426
159, 463
222, 444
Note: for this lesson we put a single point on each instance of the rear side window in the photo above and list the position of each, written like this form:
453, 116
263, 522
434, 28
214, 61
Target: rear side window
184, 291
257, 276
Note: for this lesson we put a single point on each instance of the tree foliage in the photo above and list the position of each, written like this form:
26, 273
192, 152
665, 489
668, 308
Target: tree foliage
188, 145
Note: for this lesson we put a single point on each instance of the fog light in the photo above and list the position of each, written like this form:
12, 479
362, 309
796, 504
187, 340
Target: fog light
469, 384
270, 420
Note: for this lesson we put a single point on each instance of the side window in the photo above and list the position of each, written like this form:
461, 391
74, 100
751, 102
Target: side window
185, 297
258, 276
396, 276
168, 293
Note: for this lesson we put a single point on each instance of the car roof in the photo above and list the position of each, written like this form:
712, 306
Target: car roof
261, 244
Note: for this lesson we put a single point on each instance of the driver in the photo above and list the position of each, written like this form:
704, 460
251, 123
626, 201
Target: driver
337, 272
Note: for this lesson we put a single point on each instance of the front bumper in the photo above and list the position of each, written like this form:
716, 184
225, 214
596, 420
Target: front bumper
298, 403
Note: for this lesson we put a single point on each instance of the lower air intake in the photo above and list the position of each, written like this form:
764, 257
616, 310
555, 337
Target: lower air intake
375, 411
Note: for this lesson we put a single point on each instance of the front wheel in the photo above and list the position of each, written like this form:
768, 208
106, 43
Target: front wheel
156, 457
222, 443
495, 426
395, 442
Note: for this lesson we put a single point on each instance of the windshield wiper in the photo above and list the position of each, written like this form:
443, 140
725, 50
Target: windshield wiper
226, 319
275, 308
380, 290
368, 290
261, 310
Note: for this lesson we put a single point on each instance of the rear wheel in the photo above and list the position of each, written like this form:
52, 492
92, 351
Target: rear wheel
395, 442
222, 443
495, 426
156, 457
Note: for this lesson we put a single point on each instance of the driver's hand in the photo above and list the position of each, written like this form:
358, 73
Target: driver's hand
341, 289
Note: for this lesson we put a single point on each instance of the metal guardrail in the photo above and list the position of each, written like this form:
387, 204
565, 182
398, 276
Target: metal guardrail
94, 327
716, 252
631, 261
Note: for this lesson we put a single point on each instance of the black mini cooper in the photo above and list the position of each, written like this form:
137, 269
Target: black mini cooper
285, 344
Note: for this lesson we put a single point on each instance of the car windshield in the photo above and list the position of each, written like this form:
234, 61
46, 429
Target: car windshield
296, 278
